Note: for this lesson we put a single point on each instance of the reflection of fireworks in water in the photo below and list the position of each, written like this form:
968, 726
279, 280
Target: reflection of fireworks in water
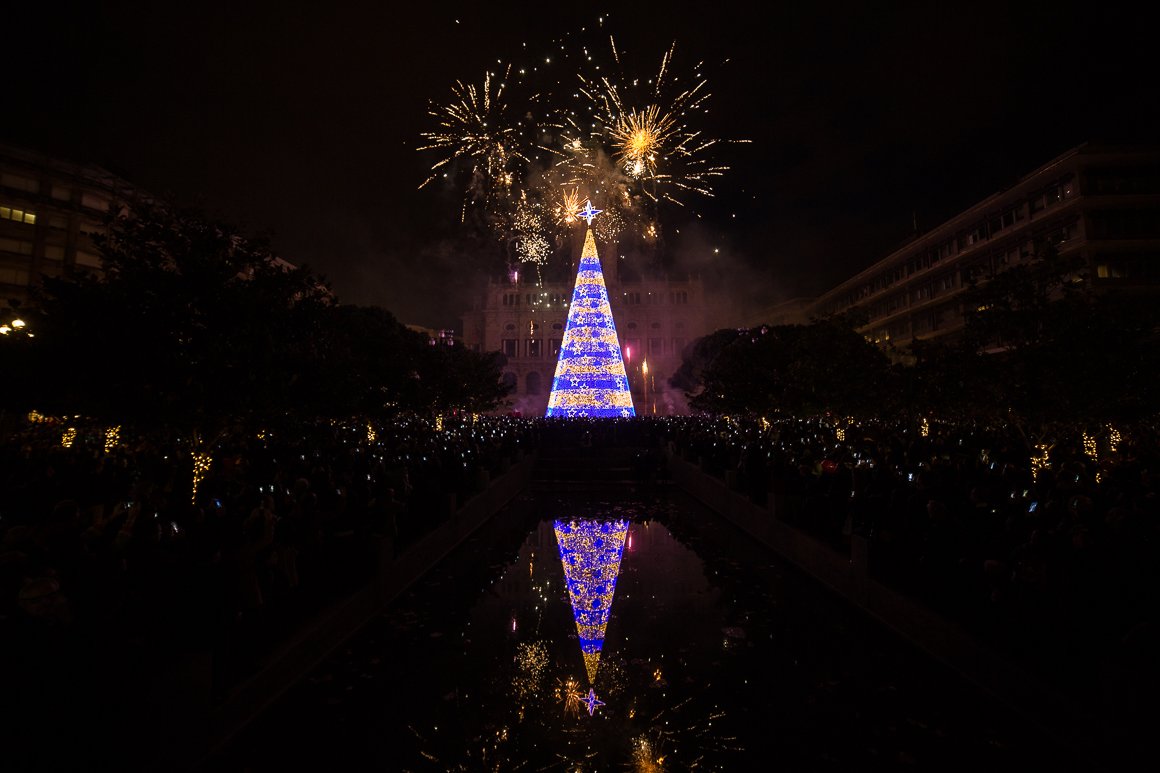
688, 740
644, 757
568, 692
531, 661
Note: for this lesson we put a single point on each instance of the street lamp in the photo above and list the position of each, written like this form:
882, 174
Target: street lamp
644, 372
15, 326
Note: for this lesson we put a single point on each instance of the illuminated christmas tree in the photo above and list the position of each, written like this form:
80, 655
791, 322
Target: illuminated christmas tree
590, 552
590, 378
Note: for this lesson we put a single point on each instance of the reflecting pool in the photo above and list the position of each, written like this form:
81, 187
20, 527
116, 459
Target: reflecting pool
626, 632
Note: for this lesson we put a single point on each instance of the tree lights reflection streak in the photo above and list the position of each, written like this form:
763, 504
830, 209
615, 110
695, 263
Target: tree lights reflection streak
590, 551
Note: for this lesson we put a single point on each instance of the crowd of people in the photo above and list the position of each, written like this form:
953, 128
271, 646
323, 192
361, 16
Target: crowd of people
1049, 545
1046, 544
106, 543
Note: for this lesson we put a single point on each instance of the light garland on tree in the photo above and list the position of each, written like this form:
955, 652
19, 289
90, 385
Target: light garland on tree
1114, 438
590, 551
1090, 448
112, 438
201, 463
68, 436
1040, 460
924, 428
590, 378
370, 433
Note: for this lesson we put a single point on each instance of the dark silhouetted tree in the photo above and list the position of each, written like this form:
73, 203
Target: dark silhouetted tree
796, 369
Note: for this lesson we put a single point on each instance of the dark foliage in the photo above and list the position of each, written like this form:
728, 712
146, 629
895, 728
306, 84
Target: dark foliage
1038, 346
192, 326
824, 366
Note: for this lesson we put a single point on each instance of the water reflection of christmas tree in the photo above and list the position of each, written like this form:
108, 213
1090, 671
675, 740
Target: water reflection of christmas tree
590, 551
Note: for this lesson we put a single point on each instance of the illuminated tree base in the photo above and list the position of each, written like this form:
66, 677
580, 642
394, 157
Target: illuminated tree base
590, 377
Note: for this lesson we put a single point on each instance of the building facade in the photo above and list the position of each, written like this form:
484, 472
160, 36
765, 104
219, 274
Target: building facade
49, 211
655, 319
1100, 204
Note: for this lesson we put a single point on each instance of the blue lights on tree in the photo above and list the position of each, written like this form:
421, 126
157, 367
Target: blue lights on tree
590, 377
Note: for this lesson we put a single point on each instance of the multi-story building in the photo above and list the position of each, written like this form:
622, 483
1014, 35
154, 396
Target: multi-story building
49, 211
794, 311
1100, 204
656, 317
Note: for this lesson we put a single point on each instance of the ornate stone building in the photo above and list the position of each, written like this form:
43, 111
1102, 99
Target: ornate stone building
656, 317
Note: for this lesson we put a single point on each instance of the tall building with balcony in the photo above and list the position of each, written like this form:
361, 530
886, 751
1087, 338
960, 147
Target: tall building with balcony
656, 317
49, 211
1100, 204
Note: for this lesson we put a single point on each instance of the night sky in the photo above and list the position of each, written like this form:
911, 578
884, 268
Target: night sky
301, 121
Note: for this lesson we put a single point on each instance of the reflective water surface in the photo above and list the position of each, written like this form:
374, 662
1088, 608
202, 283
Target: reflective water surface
626, 632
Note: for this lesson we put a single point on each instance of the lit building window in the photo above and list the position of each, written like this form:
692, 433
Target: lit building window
18, 215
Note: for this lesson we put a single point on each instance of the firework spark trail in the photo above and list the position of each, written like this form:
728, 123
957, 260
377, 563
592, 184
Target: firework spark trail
568, 208
649, 134
476, 125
